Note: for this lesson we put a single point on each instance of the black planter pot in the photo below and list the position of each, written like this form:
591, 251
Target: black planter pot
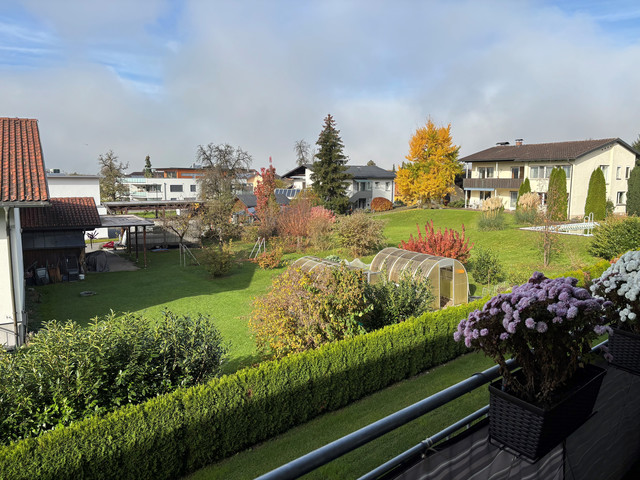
531, 431
624, 347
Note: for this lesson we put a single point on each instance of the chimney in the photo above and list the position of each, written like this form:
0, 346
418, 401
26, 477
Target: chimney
518, 142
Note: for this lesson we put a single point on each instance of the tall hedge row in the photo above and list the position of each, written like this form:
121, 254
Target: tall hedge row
178, 433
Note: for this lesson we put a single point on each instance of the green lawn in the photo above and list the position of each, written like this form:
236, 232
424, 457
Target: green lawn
164, 284
190, 290
331, 426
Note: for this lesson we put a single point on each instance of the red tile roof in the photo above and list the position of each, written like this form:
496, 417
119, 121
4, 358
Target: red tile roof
541, 151
64, 214
22, 175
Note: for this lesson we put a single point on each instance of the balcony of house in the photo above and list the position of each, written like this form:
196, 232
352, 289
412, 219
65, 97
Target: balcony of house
491, 183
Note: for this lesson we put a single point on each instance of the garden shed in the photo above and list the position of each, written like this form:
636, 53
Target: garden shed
447, 276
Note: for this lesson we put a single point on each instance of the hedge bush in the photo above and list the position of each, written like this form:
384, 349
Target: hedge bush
174, 434
67, 372
615, 236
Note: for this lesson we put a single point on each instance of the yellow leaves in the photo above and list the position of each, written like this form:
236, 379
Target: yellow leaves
433, 165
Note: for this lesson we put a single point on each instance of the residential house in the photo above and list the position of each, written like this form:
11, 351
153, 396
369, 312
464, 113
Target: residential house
500, 170
23, 185
367, 182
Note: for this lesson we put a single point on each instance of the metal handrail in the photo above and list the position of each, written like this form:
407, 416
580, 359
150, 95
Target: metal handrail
344, 445
323, 455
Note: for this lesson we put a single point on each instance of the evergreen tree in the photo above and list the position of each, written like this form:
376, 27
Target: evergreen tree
330, 175
596, 196
147, 167
525, 187
633, 192
557, 195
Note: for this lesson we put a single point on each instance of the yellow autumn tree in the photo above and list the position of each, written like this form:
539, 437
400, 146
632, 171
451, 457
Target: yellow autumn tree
431, 168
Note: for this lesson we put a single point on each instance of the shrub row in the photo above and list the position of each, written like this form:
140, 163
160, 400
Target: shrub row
177, 433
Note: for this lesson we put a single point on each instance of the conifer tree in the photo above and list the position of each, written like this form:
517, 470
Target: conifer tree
633, 192
596, 196
525, 187
557, 195
330, 177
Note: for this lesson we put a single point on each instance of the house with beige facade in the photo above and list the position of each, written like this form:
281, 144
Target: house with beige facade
500, 170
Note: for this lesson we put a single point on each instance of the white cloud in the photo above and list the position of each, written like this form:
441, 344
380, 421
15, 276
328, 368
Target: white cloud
262, 75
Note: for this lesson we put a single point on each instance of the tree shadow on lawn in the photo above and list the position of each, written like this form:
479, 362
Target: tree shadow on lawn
163, 281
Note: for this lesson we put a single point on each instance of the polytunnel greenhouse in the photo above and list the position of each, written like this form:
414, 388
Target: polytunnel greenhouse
447, 276
315, 265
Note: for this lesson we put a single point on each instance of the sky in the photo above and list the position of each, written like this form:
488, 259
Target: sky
160, 77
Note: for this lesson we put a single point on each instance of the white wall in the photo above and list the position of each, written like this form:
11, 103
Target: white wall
12, 293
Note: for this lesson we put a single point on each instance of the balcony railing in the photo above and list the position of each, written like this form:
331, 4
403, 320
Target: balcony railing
490, 183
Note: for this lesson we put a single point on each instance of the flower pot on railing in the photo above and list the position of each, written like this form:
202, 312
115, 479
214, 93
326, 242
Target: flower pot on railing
546, 326
531, 430
624, 348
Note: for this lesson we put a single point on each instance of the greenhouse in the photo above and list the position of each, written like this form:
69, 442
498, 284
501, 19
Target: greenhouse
315, 265
447, 276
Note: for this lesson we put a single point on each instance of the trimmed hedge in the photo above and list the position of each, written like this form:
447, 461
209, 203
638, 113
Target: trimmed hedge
175, 434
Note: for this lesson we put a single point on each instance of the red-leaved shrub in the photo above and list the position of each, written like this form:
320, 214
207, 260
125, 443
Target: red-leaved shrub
449, 244
381, 204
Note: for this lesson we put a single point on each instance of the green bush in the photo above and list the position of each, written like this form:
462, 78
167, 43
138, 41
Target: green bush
172, 435
615, 236
486, 267
217, 260
305, 310
557, 195
395, 302
456, 204
633, 192
360, 233
66, 372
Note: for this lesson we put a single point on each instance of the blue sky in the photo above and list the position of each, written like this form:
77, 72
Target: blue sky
160, 77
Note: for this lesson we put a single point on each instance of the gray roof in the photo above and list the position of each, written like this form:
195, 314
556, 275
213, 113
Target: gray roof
356, 171
250, 200
541, 152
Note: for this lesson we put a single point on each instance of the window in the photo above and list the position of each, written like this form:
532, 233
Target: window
605, 171
515, 172
485, 172
627, 172
513, 199
620, 198
618, 173
567, 170
193, 188
387, 186
535, 172
175, 188
362, 186
543, 198
484, 195
377, 185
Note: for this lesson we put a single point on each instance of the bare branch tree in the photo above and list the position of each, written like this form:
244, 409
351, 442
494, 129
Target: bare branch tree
223, 165
302, 150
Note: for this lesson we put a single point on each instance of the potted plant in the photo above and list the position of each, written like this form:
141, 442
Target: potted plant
547, 326
620, 284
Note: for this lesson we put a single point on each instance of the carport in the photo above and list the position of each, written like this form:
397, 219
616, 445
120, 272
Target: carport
128, 221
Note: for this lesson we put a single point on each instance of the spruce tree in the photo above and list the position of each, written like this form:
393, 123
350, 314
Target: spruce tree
633, 192
557, 195
525, 187
330, 177
596, 196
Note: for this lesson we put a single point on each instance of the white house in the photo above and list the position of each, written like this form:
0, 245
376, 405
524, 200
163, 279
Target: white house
23, 184
500, 170
62, 185
367, 183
